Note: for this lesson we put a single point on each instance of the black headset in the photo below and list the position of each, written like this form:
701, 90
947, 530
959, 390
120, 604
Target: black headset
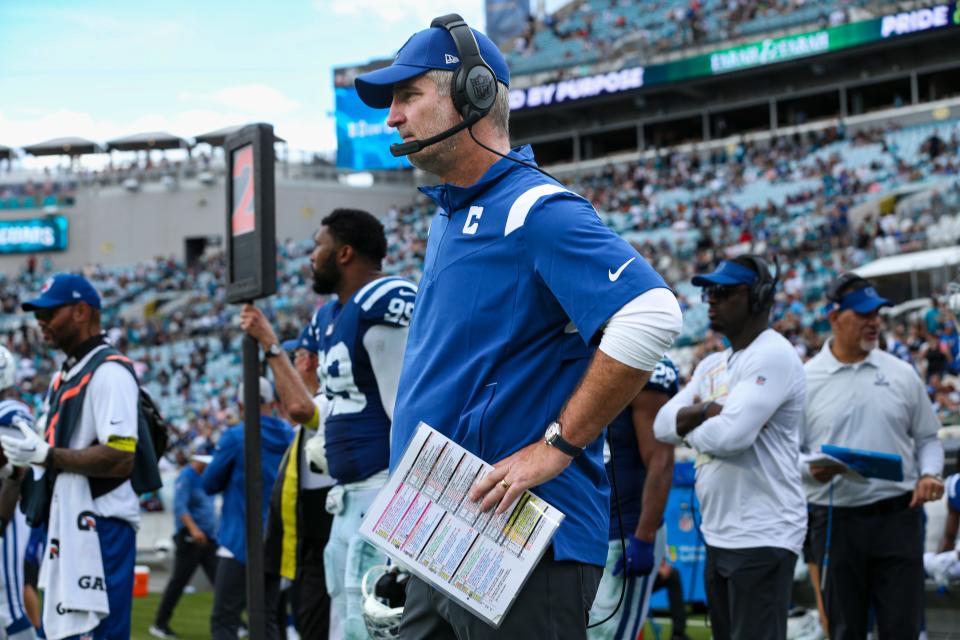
841, 283
474, 88
764, 287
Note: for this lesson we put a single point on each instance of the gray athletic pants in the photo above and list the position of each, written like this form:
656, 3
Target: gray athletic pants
553, 605
748, 592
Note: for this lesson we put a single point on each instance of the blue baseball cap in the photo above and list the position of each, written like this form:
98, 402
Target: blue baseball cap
863, 300
63, 289
304, 341
431, 48
727, 273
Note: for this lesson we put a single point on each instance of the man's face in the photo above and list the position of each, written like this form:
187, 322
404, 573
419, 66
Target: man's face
856, 331
326, 271
729, 307
305, 362
418, 111
58, 325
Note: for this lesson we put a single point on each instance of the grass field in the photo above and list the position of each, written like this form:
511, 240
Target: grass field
191, 619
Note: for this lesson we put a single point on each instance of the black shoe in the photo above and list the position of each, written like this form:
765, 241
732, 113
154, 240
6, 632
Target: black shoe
163, 632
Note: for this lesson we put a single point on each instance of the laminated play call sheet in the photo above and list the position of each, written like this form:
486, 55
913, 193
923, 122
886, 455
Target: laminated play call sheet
424, 519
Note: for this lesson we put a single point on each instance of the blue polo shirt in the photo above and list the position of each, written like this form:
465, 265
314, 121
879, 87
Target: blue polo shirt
519, 277
189, 497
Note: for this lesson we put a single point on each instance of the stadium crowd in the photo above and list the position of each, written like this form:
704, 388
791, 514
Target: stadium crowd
593, 29
682, 210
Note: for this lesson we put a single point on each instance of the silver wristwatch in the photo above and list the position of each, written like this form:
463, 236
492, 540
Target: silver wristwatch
554, 438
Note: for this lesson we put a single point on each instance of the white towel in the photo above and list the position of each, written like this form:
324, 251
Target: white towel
71, 573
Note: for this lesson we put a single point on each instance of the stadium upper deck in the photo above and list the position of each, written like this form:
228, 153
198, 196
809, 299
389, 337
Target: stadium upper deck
627, 31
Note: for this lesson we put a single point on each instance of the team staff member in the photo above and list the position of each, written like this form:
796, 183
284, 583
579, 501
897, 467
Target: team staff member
298, 526
520, 276
195, 519
864, 398
642, 469
741, 412
226, 475
90, 423
361, 336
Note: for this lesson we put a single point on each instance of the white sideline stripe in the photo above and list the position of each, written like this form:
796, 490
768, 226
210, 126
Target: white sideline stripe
383, 290
522, 205
370, 285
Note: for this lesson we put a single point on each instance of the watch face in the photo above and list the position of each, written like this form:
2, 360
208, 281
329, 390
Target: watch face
553, 431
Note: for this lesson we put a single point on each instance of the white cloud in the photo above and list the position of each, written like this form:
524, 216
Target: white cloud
255, 99
394, 11
313, 132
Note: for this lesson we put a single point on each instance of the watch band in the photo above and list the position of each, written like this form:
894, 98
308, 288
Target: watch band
556, 440
272, 351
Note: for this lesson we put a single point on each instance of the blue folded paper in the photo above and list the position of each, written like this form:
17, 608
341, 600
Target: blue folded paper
869, 464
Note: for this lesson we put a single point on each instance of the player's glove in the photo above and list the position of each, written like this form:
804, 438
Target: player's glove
638, 561
30, 449
316, 453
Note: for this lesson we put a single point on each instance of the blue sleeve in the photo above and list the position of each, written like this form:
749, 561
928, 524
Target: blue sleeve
217, 474
664, 378
393, 308
181, 495
590, 270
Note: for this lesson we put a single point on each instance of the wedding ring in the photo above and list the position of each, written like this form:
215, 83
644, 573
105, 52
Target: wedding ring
505, 485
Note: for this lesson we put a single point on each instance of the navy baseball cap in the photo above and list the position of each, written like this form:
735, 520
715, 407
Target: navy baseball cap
863, 300
431, 48
63, 289
303, 341
727, 273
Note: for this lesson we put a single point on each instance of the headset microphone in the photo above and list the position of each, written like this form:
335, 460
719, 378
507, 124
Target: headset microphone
406, 148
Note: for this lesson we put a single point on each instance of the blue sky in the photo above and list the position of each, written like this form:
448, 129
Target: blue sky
102, 69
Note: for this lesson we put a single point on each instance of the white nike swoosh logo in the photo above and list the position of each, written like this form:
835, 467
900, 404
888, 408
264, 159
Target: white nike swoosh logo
614, 275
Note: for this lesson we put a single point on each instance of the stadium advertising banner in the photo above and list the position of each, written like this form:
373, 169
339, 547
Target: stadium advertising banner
33, 235
363, 137
752, 55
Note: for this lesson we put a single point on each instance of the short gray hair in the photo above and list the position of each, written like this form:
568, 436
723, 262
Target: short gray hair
500, 111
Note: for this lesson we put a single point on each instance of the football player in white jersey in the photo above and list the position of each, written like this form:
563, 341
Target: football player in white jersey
14, 622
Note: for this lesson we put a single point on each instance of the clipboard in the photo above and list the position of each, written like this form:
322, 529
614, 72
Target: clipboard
869, 464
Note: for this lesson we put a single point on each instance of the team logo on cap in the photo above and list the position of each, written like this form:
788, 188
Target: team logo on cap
451, 59
46, 285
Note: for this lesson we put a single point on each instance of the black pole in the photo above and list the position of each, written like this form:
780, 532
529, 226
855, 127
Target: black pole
253, 486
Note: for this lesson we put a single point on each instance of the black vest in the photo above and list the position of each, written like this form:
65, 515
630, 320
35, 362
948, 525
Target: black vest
64, 407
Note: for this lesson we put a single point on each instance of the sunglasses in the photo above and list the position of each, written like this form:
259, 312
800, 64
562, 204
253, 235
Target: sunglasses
47, 314
719, 292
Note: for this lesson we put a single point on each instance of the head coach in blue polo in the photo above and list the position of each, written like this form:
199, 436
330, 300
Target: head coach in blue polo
521, 282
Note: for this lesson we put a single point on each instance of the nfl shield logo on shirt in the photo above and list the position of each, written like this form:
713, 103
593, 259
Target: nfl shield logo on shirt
761, 381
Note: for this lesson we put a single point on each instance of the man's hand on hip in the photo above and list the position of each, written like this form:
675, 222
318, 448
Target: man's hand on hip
531, 466
929, 488
30, 449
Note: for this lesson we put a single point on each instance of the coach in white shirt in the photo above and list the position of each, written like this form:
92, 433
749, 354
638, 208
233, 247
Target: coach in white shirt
862, 397
741, 412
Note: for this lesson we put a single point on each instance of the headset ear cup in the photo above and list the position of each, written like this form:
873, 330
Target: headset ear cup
479, 87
